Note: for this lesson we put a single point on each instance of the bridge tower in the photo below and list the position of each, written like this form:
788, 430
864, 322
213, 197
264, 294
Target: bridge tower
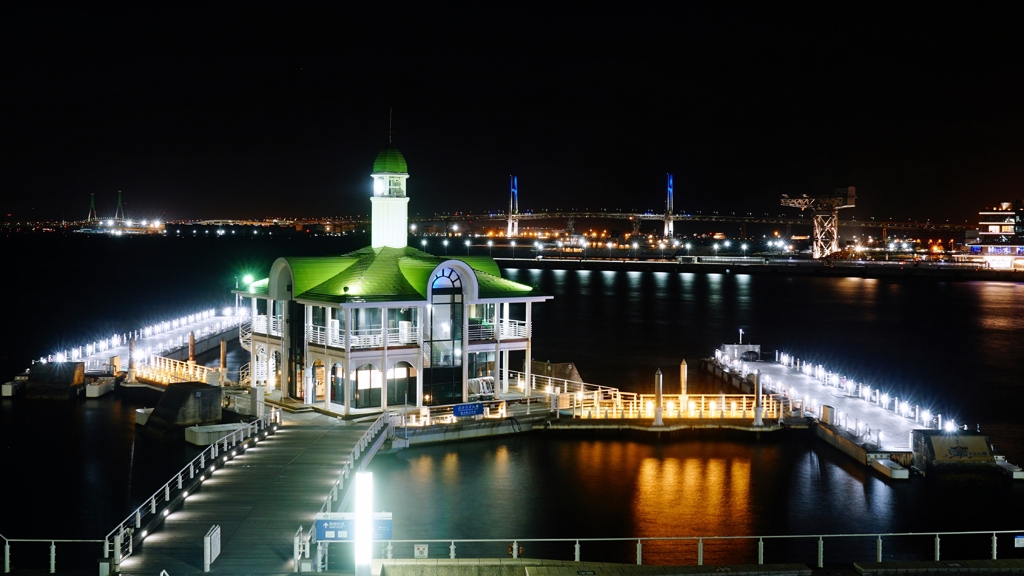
119, 213
825, 211
669, 228
92, 209
513, 208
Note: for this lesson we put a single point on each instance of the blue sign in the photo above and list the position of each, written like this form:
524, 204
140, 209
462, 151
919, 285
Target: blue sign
341, 526
472, 409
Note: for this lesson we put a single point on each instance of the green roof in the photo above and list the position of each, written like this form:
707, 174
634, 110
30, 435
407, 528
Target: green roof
385, 275
390, 160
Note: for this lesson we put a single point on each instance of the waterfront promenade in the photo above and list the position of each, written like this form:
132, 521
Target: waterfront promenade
259, 499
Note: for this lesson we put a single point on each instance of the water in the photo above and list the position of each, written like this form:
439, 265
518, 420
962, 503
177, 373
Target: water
953, 346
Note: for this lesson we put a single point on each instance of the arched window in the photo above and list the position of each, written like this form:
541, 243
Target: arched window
446, 279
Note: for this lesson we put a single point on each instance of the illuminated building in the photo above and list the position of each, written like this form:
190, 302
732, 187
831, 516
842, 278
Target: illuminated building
387, 324
1001, 237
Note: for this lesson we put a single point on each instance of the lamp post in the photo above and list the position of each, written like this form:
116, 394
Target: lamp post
634, 250
467, 247
560, 245
423, 243
490, 248
513, 244
445, 242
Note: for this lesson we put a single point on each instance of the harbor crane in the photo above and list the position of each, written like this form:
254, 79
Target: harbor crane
826, 217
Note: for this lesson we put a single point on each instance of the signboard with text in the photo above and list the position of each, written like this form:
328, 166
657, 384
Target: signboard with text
340, 526
471, 409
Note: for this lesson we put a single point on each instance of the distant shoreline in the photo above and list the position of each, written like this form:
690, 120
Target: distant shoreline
807, 268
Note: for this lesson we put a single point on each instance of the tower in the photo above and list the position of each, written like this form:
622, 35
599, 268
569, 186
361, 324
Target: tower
119, 213
92, 209
390, 206
669, 228
513, 208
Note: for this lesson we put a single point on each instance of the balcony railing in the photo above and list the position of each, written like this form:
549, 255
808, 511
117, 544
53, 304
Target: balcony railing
404, 335
514, 329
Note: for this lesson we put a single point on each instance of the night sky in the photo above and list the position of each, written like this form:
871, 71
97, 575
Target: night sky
217, 110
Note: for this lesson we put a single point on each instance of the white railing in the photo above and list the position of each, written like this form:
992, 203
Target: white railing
245, 335
514, 329
444, 414
400, 337
259, 324
167, 370
366, 338
596, 401
245, 375
53, 549
275, 326
119, 543
751, 547
337, 497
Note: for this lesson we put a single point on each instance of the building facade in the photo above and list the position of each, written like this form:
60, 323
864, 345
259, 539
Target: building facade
1000, 243
387, 325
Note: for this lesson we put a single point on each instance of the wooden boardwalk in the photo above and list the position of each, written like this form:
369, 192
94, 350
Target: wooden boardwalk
259, 499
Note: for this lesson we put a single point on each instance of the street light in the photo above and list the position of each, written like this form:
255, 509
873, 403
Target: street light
536, 249
662, 246
445, 242
467, 247
513, 244
609, 250
490, 247
743, 247
584, 249
560, 245
424, 244
634, 250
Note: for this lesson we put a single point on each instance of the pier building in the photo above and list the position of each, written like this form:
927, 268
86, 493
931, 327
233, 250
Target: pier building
388, 324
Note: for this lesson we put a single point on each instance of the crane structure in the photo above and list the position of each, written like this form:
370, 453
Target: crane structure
825, 211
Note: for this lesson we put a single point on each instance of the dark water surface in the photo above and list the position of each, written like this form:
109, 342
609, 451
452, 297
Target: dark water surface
958, 347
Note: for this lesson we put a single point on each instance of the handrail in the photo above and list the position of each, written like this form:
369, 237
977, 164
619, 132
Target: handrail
120, 539
301, 540
700, 540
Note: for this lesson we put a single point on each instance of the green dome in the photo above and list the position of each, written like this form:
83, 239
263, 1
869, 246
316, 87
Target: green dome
390, 160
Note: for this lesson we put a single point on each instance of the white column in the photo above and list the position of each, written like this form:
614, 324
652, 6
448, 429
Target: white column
465, 350
384, 361
346, 364
308, 393
529, 348
286, 373
497, 352
504, 360
421, 318
267, 351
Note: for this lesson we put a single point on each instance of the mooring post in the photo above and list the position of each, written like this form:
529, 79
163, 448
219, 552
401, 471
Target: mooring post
758, 408
657, 399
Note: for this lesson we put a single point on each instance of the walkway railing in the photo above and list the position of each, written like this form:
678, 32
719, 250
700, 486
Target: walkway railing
245, 335
566, 548
337, 499
596, 401
119, 543
168, 370
53, 548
